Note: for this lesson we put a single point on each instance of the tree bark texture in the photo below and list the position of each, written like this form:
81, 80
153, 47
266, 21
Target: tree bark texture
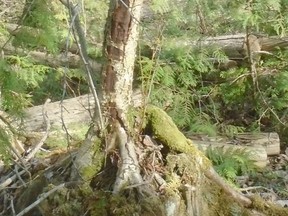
121, 36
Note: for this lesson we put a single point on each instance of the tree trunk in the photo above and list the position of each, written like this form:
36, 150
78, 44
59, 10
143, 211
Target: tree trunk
121, 36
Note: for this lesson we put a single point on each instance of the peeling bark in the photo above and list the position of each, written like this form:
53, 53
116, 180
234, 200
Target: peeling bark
121, 36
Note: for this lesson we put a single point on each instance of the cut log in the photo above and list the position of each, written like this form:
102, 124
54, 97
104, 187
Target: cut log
234, 45
260, 145
256, 153
270, 141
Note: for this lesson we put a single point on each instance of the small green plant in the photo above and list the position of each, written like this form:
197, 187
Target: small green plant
40, 27
231, 162
23, 83
5, 155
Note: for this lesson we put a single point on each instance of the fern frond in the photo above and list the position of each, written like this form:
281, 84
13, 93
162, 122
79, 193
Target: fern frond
230, 162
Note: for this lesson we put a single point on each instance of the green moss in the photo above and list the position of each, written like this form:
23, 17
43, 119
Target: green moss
120, 205
30, 194
165, 130
152, 206
131, 205
268, 208
78, 131
58, 138
215, 202
89, 171
98, 208
65, 202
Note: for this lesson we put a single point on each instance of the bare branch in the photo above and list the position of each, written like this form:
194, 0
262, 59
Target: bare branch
47, 122
81, 42
42, 197
9, 180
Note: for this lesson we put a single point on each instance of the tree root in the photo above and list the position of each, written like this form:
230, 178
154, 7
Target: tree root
164, 130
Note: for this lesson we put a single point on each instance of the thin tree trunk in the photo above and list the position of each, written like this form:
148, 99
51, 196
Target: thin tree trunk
121, 35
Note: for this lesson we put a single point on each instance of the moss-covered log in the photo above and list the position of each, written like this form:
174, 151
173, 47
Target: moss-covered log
164, 130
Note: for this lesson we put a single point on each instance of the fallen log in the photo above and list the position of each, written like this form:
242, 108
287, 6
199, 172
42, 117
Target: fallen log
74, 110
80, 109
233, 46
270, 141
260, 145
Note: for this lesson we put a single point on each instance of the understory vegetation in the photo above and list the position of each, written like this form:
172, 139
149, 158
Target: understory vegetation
185, 81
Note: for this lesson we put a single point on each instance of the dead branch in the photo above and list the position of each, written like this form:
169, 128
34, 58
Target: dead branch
48, 125
82, 46
41, 198
9, 180
237, 196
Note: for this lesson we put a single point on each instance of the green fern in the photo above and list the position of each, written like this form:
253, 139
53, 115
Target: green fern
5, 154
160, 6
230, 130
231, 162
38, 14
13, 96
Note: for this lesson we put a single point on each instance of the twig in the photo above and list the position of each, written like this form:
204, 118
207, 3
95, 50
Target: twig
12, 206
41, 198
258, 187
9, 180
6, 122
47, 122
14, 134
81, 43
19, 176
251, 188
4, 203
68, 135
235, 195
239, 77
22, 18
